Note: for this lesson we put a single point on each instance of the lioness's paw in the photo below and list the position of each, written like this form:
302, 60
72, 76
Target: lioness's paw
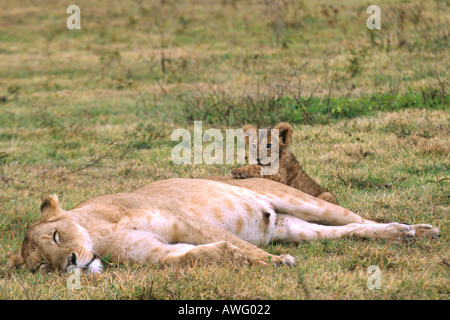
287, 260
425, 231
398, 232
283, 260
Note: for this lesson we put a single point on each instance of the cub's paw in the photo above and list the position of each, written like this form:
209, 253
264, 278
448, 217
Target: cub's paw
240, 173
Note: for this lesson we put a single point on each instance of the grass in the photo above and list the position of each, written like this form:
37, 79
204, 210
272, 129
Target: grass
90, 112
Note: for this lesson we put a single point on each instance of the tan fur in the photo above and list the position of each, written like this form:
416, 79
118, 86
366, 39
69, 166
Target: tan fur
165, 223
289, 172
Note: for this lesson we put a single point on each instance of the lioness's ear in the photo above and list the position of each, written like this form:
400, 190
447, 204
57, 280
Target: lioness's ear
285, 130
245, 129
15, 259
49, 207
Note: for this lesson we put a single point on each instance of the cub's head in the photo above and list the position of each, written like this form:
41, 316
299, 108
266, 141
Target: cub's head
267, 140
55, 242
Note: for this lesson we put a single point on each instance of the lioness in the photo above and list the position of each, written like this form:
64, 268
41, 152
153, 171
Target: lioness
190, 221
289, 171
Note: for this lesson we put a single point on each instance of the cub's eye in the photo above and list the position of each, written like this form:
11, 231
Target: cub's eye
269, 146
56, 237
254, 146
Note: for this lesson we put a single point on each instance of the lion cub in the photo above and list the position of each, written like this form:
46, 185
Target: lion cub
289, 171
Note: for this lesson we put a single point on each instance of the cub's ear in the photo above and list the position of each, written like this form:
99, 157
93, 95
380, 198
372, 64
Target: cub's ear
15, 259
246, 128
49, 207
285, 130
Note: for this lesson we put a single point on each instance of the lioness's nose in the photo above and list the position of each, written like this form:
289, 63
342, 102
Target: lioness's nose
73, 259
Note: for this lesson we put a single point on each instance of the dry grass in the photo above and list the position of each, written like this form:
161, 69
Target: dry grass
385, 177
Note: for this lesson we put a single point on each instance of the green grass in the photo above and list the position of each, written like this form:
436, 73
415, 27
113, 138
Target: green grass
268, 110
90, 112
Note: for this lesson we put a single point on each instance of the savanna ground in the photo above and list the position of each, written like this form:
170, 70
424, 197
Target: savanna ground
90, 112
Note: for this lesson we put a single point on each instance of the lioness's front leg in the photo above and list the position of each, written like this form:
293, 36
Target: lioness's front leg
217, 252
292, 229
220, 252
146, 247
203, 232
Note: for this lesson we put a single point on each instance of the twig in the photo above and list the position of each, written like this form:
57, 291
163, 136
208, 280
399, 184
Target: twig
312, 93
340, 178
89, 164
302, 283
162, 88
329, 93
444, 262
251, 100
6, 179
24, 289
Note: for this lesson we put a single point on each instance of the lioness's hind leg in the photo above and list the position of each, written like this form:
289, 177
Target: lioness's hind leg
316, 211
292, 229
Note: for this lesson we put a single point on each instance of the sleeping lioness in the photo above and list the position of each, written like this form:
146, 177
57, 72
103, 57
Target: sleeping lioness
192, 221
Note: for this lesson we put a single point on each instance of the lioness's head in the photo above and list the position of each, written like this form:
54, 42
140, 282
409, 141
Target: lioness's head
55, 242
267, 140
